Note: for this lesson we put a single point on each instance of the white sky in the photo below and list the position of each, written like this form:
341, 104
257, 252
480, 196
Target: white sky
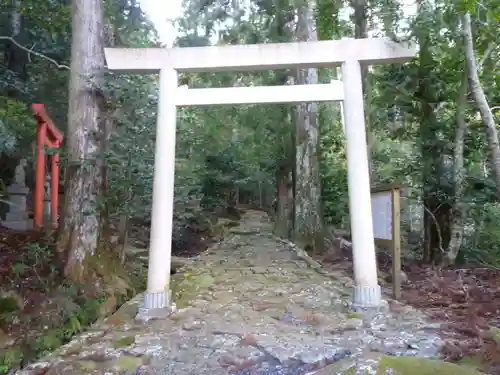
160, 13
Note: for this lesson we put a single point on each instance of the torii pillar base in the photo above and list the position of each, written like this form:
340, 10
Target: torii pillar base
367, 296
148, 313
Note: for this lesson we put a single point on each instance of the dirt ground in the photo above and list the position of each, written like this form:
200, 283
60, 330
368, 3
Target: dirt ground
26, 266
467, 299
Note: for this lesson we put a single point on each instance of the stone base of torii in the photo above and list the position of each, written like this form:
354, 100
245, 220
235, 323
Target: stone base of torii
349, 54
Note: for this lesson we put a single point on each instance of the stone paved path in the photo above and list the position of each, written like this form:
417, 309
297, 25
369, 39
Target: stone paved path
250, 305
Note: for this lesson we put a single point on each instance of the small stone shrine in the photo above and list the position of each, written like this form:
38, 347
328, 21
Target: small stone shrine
17, 217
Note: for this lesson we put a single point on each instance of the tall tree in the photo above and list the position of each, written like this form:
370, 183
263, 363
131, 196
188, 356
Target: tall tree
280, 14
16, 58
481, 101
79, 233
437, 208
457, 225
308, 224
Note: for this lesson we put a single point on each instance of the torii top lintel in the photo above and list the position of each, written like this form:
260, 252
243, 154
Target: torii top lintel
326, 53
43, 118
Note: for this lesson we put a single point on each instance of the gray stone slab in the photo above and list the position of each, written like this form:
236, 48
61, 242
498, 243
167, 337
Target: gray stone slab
19, 225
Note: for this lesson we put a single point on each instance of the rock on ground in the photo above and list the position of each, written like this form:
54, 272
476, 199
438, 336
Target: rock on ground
252, 304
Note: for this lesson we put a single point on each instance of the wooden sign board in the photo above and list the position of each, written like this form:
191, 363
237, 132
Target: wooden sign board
387, 227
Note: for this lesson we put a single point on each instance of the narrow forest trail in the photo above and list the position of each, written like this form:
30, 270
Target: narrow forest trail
253, 304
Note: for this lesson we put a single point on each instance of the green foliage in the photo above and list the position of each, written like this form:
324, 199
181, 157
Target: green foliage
225, 151
8, 305
73, 322
484, 238
232, 154
406, 145
124, 342
333, 168
17, 126
329, 23
10, 359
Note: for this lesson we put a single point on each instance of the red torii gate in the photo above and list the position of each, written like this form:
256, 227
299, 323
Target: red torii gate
47, 135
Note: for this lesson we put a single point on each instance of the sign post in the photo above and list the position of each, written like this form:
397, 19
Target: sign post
386, 210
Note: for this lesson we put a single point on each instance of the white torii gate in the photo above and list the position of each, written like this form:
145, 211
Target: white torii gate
168, 62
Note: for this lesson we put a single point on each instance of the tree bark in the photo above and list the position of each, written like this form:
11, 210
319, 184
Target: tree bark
79, 232
284, 203
16, 58
481, 101
308, 222
107, 125
458, 216
285, 178
285, 175
436, 205
123, 225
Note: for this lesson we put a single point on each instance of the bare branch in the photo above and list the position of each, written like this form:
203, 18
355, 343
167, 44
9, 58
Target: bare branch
491, 47
31, 52
438, 228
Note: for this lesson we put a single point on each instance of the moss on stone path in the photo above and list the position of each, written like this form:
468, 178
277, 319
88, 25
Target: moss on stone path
252, 305
390, 365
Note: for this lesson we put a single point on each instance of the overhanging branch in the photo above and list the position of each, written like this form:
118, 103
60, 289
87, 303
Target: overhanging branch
31, 52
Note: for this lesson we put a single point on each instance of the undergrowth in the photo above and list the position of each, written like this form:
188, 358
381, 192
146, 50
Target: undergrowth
39, 309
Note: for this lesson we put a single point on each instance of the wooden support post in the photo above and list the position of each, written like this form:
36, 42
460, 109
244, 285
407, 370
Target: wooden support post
396, 243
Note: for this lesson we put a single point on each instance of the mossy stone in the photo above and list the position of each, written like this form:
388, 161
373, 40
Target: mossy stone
87, 365
128, 363
124, 342
185, 288
420, 366
125, 314
399, 366
354, 316
495, 333
474, 362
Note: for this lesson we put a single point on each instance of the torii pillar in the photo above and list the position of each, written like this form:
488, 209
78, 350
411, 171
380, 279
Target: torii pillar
168, 62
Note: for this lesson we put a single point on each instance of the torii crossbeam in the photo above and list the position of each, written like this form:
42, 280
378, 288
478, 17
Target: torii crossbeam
168, 62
